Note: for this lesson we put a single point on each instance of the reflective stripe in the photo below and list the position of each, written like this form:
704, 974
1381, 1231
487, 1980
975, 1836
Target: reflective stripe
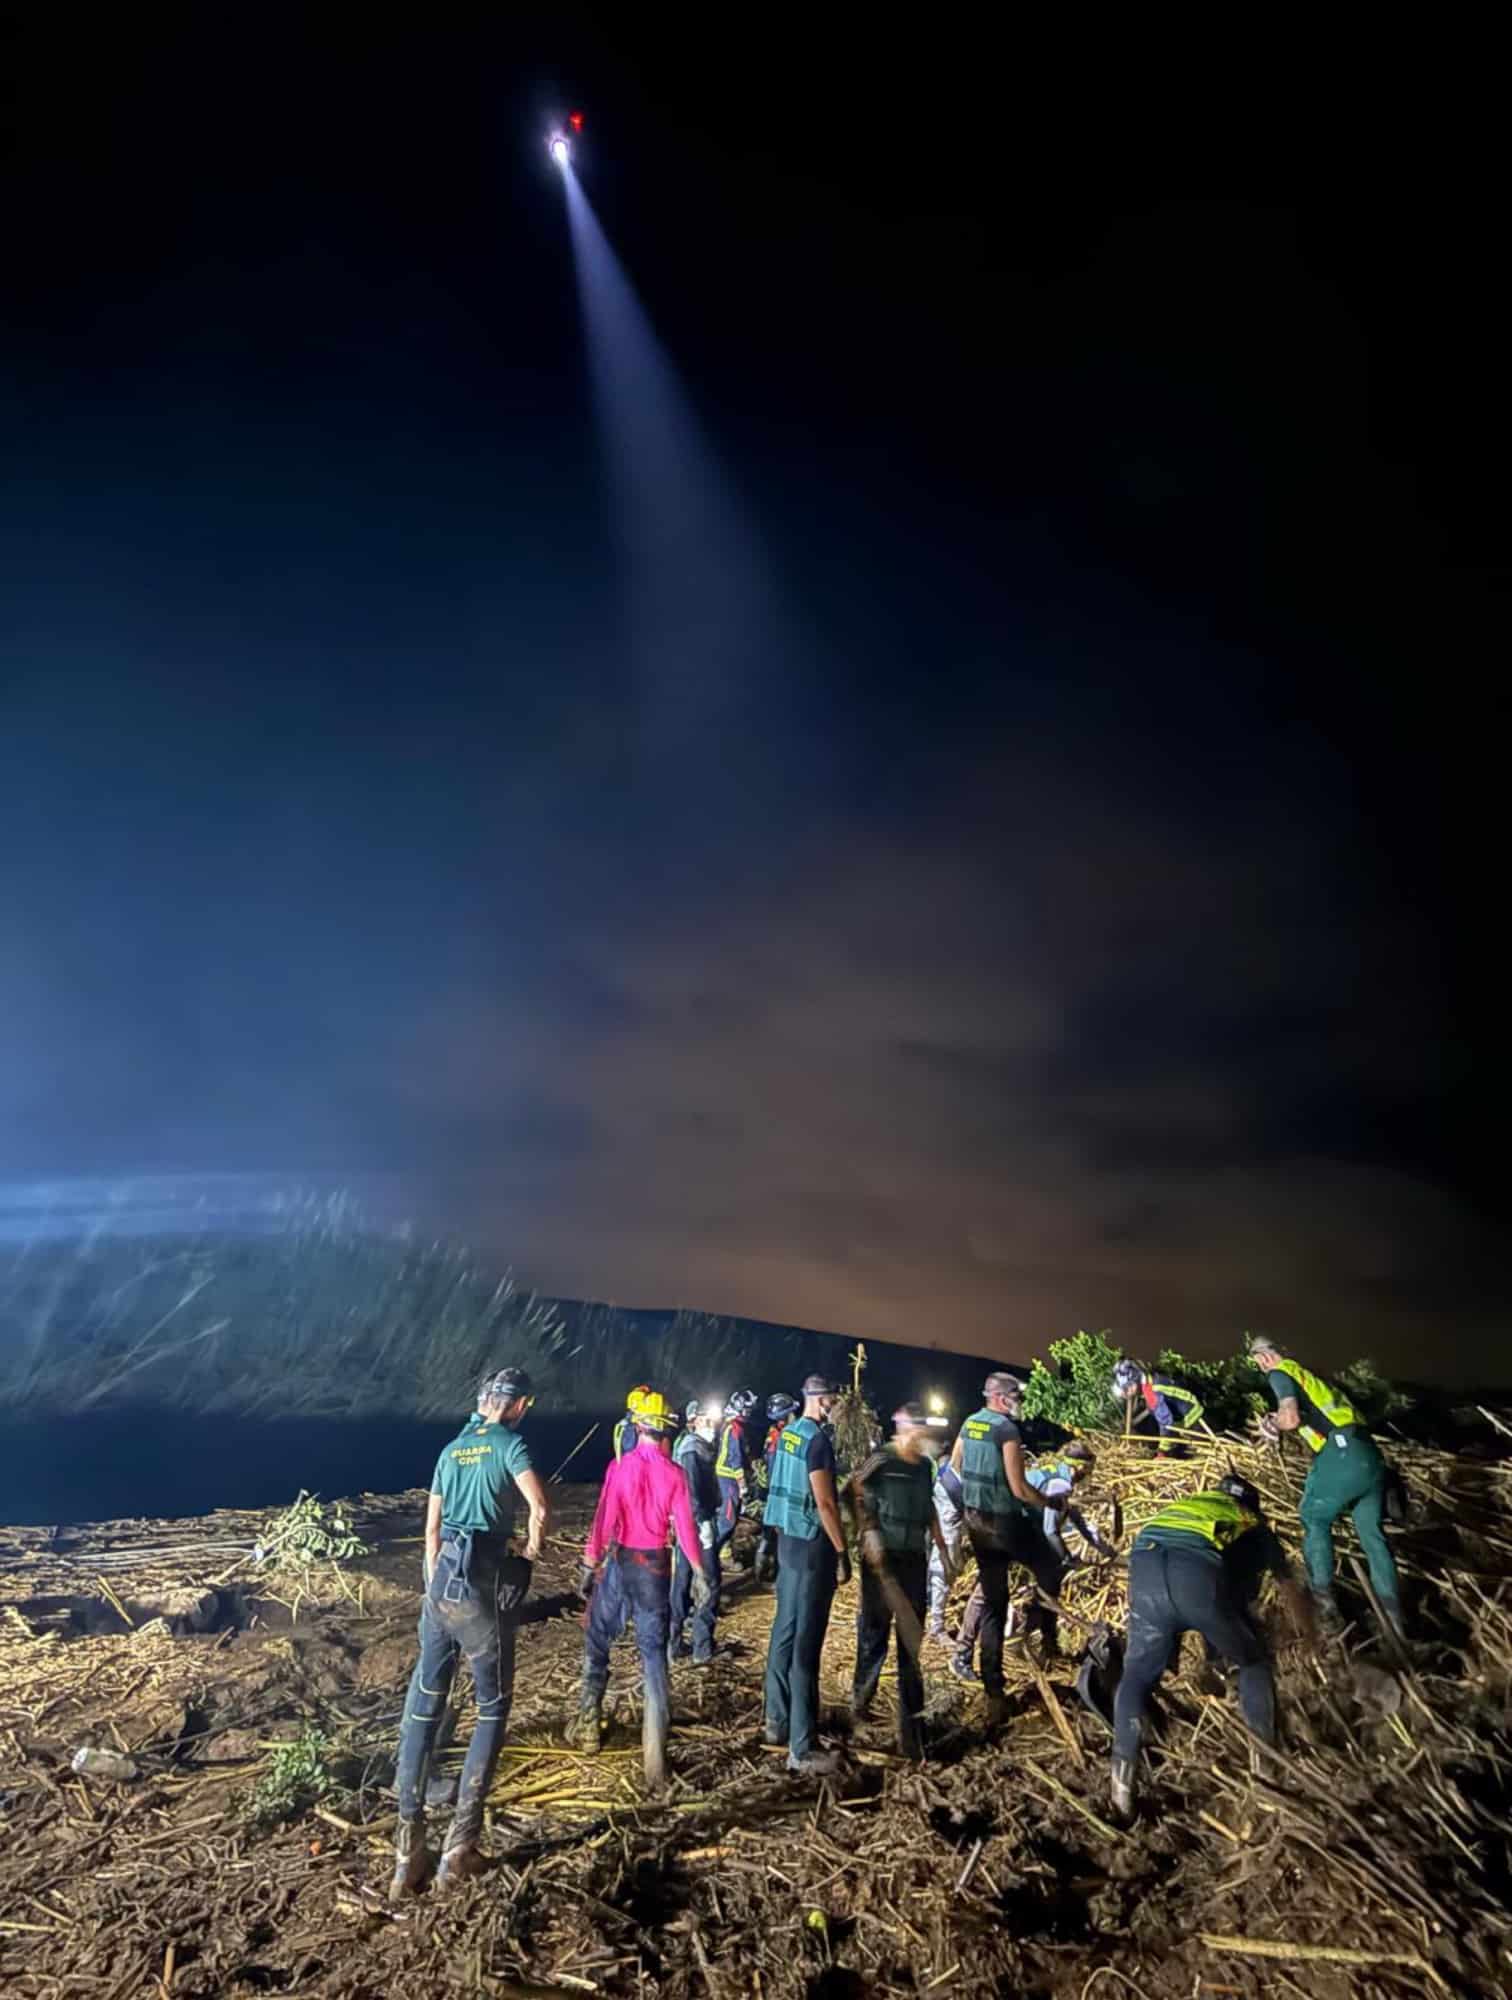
1174, 1390
1323, 1399
1214, 1516
722, 1465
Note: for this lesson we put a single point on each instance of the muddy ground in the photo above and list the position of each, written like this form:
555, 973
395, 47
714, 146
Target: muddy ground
990, 1870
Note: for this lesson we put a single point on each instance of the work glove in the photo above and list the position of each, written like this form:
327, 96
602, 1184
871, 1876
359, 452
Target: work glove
873, 1548
842, 1568
514, 1582
1268, 1430
587, 1578
706, 1534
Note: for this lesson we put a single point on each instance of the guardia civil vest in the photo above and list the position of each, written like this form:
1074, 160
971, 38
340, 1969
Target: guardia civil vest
984, 1484
790, 1507
902, 1497
1214, 1517
1333, 1406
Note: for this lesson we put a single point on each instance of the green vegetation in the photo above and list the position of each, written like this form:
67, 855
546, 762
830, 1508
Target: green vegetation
1077, 1391
295, 1778
307, 1532
324, 1317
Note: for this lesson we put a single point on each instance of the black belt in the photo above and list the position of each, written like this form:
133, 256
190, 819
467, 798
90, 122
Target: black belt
647, 1558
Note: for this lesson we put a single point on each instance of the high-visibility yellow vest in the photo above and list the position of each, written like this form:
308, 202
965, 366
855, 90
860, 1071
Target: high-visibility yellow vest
1192, 1409
1215, 1516
1332, 1405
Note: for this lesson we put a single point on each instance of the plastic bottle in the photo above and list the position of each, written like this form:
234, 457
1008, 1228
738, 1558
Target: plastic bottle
104, 1764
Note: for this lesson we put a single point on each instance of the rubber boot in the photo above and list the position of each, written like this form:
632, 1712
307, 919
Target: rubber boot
1395, 1623
588, 1730
1123, 1788
654, 1752
997, 1711
460, 1858
961, 1667
413, 1860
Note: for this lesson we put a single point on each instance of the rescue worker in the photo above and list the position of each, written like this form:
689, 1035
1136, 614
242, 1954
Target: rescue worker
812, 1559
1003, 1522
780, 1409
894, 1498
684, 1441
626, 1570
1347, 1473
624, 1430
697, 1448
1194, 1567
1169, 1406
475, 1584
1054, 1482
736, 1464
944, 1553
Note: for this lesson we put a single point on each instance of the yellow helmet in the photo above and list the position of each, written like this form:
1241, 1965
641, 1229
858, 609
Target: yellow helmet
637, 1396
653, 1412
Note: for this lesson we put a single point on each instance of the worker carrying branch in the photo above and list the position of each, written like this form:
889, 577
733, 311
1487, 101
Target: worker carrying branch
894, 1499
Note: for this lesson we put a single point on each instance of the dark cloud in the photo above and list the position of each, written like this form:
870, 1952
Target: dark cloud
1048, 876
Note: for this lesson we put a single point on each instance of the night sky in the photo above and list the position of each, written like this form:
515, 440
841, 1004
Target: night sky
1076, 901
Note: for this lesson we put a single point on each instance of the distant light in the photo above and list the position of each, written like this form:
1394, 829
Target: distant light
937, 1404
575, 120
559, 149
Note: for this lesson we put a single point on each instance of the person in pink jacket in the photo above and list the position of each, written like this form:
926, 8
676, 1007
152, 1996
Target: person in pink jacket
627, 1574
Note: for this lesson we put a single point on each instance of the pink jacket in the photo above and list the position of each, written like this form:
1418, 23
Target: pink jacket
644, 1494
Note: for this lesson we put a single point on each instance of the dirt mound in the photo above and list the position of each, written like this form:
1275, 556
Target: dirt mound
1369, 1858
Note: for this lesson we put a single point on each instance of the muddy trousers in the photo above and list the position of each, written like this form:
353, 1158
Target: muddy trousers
1011, 1540
460, 1618
805, 1591
1348, 1476
704, 1614
1172, 1591
633, 1588
952, 1526
874, 1624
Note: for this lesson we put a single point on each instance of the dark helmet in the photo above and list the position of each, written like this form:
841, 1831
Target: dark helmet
1238, 1488
1002, 1382
780, 1407
692, 1410
506, 1386
819, 1385
741, 1403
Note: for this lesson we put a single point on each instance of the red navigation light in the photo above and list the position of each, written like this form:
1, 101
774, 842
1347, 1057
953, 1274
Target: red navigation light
575, 120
